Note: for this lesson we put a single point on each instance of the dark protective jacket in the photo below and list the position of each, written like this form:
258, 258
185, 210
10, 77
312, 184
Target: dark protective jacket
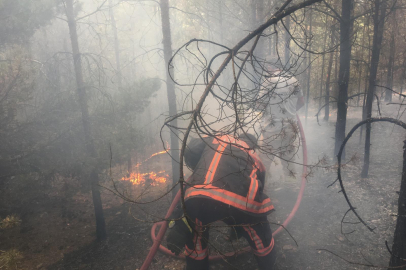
229, 171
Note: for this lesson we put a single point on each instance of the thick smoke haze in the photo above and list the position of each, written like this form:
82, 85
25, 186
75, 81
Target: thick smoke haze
101, 100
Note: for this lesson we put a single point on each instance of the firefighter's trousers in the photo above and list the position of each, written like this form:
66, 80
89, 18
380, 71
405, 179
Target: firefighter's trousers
203, 212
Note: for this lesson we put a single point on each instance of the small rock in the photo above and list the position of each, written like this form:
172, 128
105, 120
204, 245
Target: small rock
289, 247
340, 238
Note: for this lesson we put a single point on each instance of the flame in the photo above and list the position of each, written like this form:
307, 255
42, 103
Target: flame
155, 154
151, 178
159, 153
156, 178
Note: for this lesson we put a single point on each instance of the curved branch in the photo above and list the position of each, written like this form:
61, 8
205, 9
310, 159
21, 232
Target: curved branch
370, 120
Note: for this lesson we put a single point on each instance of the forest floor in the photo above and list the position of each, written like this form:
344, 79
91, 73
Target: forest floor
57, 222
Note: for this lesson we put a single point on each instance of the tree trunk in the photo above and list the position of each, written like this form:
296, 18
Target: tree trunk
271, 50
257, 16
359, 80
379, 20
82, 100
220, 6
389, 78
287, 43
359, 64
253, 14
271, 47
170, 88
118, 66
260, 49
116, 45
399, 238
309, 68
361, 49
402, 80
336, 69
344, 73
366, 78
330, 66
322, 63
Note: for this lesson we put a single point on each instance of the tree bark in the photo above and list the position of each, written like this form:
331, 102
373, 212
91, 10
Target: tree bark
402, 80
271, 38
399, 238
170, 87
309, 68
379, 20
83, 104
360, 65
389, 78
329, 68
336, 69
322, 63
260, 49
366, 78
344, 73
118, 66
287, 43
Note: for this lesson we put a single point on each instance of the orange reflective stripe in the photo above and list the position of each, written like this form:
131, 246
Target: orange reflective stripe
253, 186
258, 162
247, 202
198, 253
254, 180
214, 163
230, 198
265, 251
219, 152
226, 193
254, 237
259, 250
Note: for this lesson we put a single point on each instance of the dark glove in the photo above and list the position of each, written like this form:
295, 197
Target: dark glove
179, 233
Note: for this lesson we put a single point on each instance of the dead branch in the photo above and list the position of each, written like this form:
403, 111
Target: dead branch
370, 120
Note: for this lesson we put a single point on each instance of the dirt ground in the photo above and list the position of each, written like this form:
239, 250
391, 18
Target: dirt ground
57, 224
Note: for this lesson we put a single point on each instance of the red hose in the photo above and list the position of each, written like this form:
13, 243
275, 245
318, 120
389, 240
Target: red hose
304, 173
157, 239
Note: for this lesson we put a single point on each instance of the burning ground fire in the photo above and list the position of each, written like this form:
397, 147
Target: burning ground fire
156, 178
153, 155
152, 178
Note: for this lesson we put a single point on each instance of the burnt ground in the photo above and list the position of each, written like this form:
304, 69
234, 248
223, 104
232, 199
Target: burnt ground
57, 228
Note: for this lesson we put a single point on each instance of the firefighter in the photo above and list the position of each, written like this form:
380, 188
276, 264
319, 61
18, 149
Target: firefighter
226, 184
278, 102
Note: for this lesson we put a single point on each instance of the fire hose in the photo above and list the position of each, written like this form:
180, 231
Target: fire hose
164, 224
